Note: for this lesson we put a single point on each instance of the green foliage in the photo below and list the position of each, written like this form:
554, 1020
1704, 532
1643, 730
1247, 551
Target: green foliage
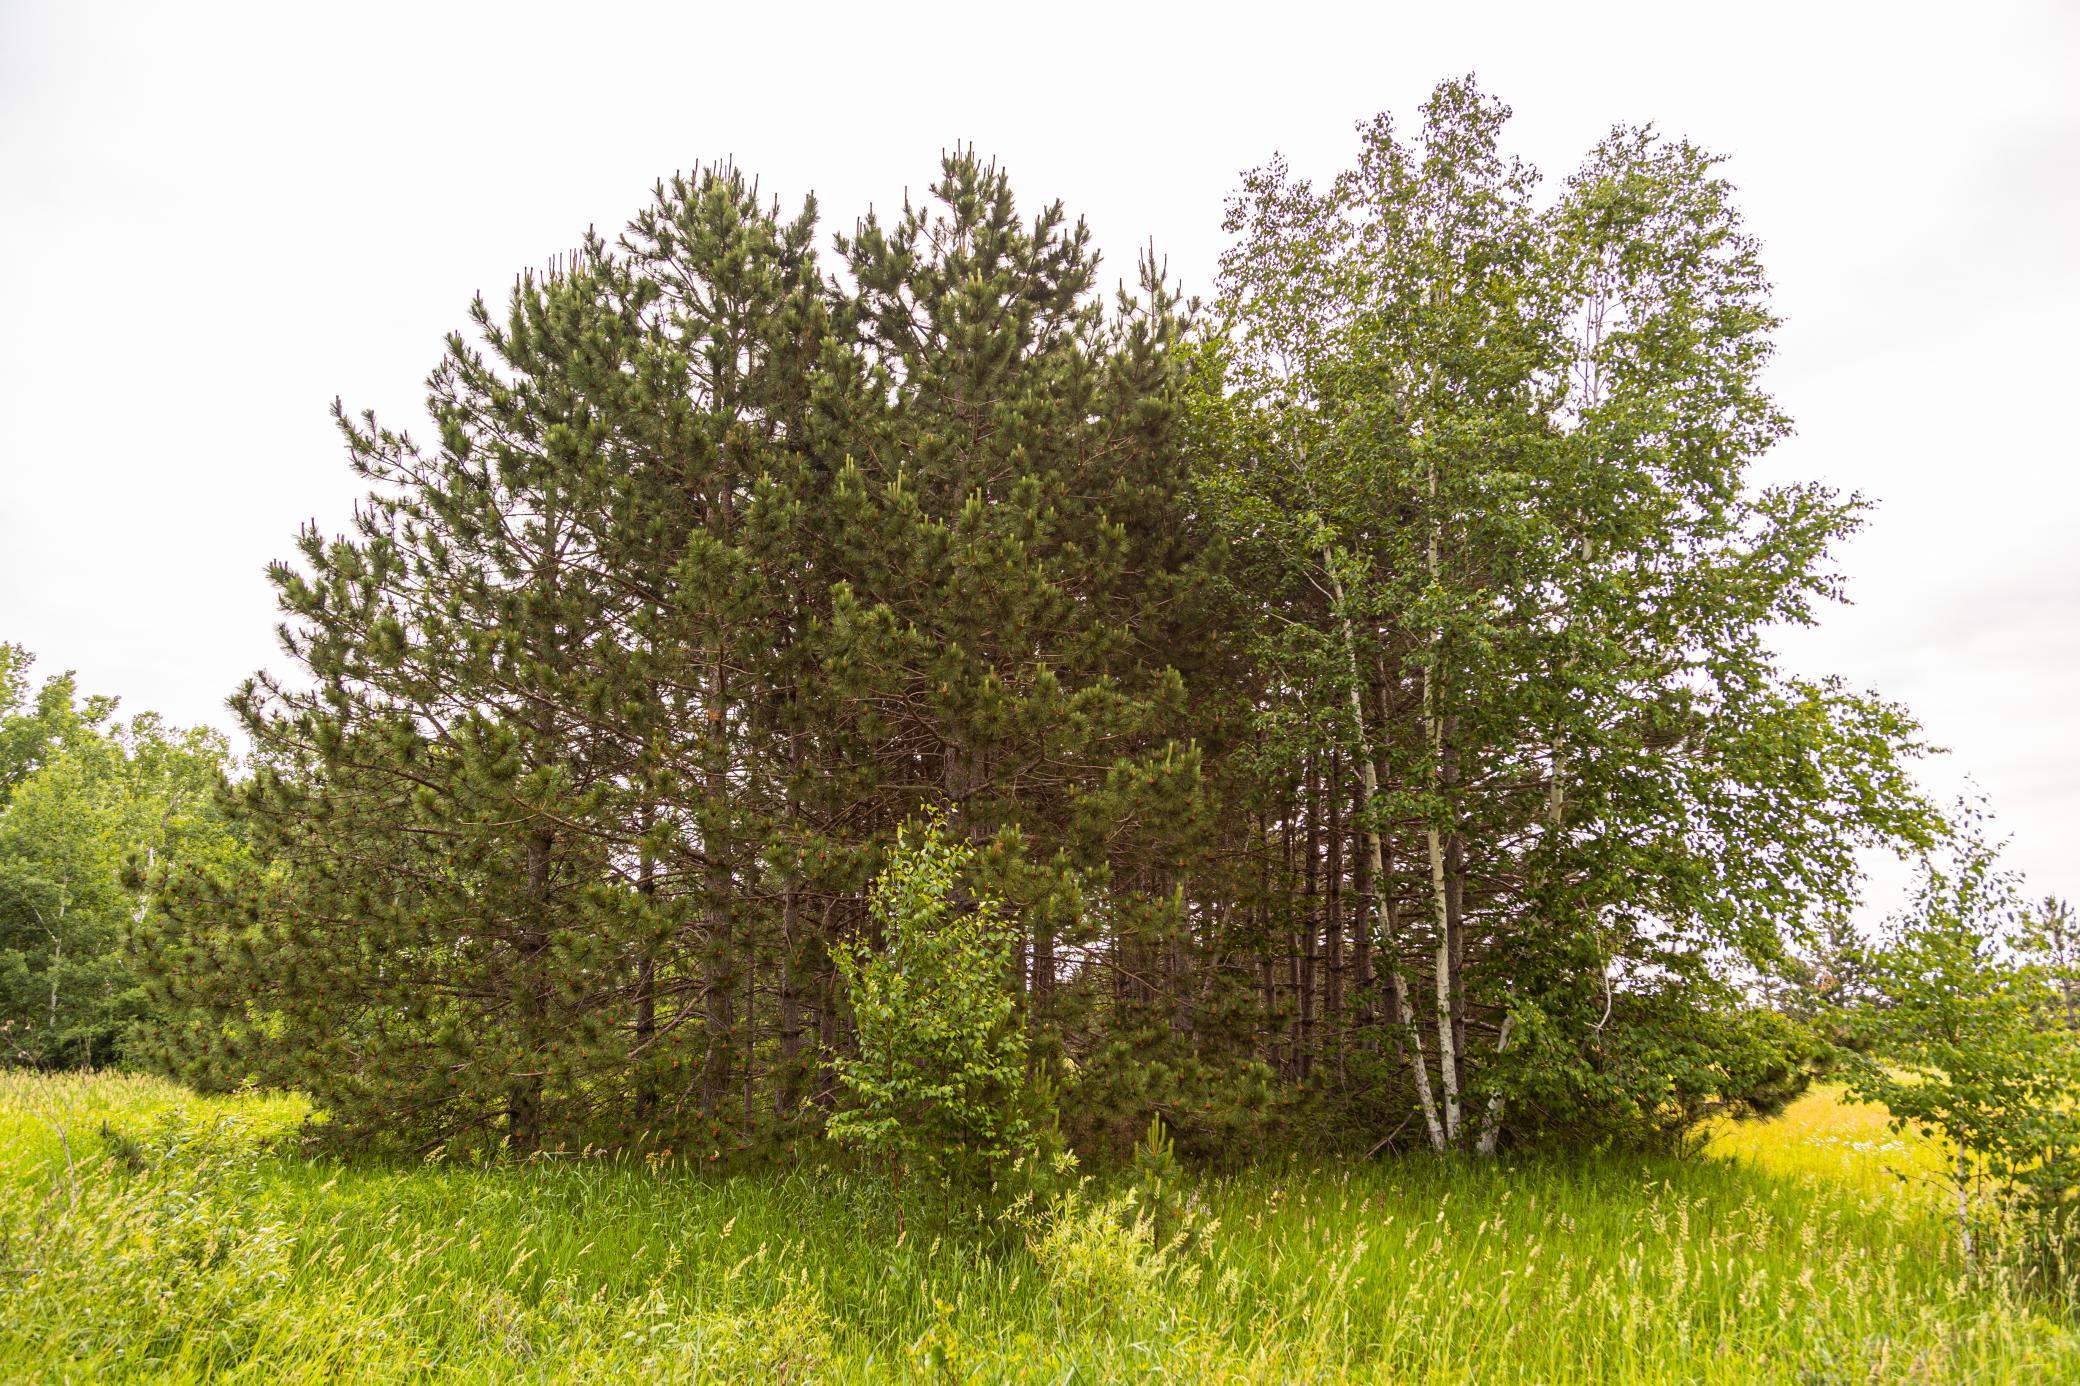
1487, 469
1670, 1058
89, 809
710, 572
500, 814
1101, 1259
1820, 983
1963, 1040
1222, 1107
2049, 939
938, 1086
1162, 1192
1358, 701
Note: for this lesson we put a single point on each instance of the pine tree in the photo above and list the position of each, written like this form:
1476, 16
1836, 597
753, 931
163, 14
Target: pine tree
706, 535
427, 953
1021, 579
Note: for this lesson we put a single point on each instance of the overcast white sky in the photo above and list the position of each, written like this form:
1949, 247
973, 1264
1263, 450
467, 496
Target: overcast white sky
215, 218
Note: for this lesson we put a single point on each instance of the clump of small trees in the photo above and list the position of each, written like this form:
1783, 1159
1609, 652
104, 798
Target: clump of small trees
90, 805
1353, 693
1965, 1032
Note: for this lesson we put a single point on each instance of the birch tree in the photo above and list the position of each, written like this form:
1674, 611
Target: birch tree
1490, 460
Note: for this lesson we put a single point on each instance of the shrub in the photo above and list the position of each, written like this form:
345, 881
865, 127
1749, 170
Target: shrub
1960, 1048
1100, 1256
938, 1087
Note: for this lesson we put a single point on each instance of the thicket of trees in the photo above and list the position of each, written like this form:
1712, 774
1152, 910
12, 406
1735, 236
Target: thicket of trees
1959, 1018
88, 804
1353, 694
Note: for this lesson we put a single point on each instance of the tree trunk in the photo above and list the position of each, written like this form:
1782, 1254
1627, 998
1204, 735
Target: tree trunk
787, 1091
1455, 920
1040, 990
1964, 1205
827, 1034
1491, 1120
749, 973
1310, 924
1362, 889
524, 1090
1433, 734
646, 980
1368, 773
1447, 1053
1332, 914
718, 1017
718, 979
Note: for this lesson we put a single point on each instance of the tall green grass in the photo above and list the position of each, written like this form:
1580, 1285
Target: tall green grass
189, 1241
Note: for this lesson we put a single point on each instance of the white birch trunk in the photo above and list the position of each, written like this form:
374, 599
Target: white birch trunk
1433, 730
1368, 778
1491, 1120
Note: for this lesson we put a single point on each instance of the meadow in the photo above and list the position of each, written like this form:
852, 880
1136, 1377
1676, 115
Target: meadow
150, 1234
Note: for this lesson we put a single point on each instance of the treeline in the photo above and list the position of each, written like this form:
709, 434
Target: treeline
1355, 691
89, 804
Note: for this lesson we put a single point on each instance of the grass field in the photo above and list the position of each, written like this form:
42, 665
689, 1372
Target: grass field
187, 1244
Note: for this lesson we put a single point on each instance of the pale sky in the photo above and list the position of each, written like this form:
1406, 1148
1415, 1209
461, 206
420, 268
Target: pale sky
215, 218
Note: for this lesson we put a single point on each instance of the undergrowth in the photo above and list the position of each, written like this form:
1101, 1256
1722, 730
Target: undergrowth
149, 1233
